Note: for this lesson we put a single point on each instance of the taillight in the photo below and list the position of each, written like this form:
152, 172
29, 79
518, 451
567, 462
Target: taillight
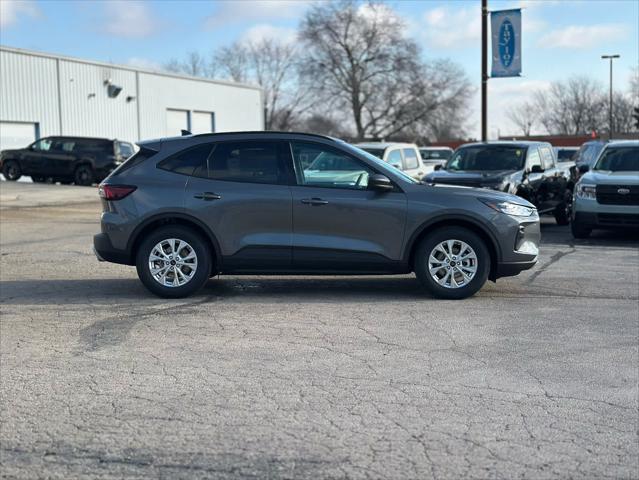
115, 192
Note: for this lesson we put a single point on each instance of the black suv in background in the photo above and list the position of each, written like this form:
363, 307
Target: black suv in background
82, 160
526, 169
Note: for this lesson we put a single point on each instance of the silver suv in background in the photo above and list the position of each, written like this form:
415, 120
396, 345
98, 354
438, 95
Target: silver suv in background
184, 209
607, 195
404, 156
433, 156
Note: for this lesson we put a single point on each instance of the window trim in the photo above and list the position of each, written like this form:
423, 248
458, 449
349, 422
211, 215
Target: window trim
396, 188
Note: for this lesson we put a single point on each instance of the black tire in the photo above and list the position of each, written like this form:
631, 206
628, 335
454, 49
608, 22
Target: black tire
84, 175
11, 170
426, 246
579, 230
562, 214
195, 241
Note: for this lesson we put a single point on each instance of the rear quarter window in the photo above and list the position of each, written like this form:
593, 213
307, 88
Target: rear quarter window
187, 161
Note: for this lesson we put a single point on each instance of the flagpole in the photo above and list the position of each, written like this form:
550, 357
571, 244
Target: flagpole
484, 68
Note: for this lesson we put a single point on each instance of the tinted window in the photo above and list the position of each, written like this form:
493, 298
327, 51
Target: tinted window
249, 162
136, 159
94, 146
320, 166
619, 159
547, 159
395, 157
436, 154
482, 158
565, 154
186, 161
410, 157
63, 146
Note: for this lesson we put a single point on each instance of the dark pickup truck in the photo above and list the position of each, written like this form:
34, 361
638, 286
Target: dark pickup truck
527, 169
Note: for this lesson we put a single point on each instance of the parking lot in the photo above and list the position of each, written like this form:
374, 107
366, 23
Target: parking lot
310, 377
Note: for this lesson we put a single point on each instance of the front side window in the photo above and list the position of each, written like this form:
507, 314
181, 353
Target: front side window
320, 166
42, 145
491, 158
187, 161
619, 159
248, 162
395, 158
410, 157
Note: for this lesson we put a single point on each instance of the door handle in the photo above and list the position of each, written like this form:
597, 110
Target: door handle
207, 196
314, 201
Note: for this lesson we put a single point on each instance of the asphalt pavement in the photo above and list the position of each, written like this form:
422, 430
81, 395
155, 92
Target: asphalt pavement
310, 377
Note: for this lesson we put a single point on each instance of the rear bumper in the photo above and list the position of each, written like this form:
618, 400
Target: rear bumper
105, 251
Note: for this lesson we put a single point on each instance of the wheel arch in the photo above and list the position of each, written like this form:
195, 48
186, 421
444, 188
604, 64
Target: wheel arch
456, 221
170, 218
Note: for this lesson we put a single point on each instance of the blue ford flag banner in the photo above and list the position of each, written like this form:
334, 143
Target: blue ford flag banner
505, 28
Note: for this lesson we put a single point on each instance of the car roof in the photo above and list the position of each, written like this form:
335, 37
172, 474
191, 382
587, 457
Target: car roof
623, 143
75, 137
514, 143
435, 148
383, 144
258, 133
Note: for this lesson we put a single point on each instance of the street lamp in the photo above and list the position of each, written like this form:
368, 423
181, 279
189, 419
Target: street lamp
611, 58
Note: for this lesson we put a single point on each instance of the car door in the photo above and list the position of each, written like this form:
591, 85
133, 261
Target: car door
33, 158
338, 224
241, 192
60, 159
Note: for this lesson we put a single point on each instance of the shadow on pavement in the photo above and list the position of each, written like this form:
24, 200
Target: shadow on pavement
553, 234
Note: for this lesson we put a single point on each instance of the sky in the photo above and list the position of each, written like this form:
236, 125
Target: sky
560, 38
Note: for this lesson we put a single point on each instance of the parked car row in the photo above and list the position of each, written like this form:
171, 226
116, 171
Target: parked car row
81, 160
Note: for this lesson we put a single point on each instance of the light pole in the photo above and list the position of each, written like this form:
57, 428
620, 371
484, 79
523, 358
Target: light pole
611, 58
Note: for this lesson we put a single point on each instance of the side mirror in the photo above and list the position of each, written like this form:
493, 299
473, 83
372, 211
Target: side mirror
583, 168
438, 166
536, 169
397, 165
379, 182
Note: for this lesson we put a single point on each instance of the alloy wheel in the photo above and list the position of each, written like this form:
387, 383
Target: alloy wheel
452, 263
172, 262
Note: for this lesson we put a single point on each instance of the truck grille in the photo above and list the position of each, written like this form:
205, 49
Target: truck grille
609, 194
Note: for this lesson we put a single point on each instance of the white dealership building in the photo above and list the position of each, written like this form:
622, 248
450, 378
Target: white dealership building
43, 95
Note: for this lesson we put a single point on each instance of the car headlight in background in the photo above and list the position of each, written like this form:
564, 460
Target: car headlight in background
509, 208
585, 190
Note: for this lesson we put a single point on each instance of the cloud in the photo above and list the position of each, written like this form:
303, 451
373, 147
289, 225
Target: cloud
583, 36
251, 11
129, 19
265, 31
443, 27
10, 10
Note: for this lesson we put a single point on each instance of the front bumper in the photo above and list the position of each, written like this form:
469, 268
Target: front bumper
607, 220
105, 252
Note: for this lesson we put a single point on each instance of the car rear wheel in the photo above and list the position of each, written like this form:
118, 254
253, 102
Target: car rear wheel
11, 170
452, 263
83, 175
173, 262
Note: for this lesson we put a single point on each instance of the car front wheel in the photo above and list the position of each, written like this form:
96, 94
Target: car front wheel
452, 263
11, 170
173, 262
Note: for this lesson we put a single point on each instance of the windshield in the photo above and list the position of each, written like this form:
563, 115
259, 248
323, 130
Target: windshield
488, 158
588, 153
378, 152
619, 159
379, 164
435, 154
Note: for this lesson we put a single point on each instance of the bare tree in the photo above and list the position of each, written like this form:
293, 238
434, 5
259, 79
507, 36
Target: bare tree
273, 65
573, 107
194, 64
524, 116
357, 58
622, 119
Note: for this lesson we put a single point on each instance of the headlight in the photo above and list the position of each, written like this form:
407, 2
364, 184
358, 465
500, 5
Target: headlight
585, 190
509, 208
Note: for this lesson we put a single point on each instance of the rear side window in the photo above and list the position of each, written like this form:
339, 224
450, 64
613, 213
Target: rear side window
410, 157
186, 161
248, 162
126, 149
138, 158
547, 158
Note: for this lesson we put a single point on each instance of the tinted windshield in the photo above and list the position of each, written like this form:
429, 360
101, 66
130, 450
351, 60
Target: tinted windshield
436, 154
482, 158
378, 152
382, 166
619, 159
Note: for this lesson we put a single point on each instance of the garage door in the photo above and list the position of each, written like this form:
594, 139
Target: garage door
16, 134
203, 122
176, 121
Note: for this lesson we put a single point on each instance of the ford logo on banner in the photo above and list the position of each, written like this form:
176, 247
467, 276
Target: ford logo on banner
506, 41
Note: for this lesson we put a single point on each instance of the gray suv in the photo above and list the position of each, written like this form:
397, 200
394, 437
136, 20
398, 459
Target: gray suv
185, 209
